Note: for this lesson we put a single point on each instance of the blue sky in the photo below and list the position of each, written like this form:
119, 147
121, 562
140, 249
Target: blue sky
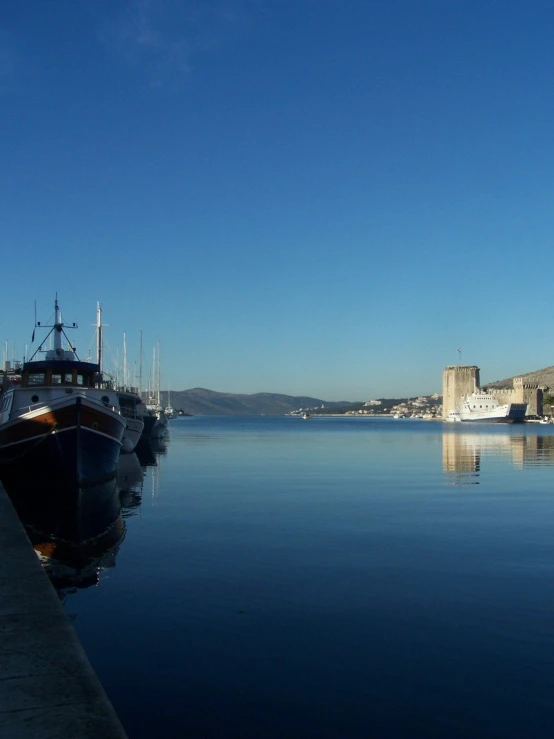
320, 197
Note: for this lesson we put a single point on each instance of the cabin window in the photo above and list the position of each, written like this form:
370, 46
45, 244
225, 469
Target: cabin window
56, 379
37, 378
67, 378
80, 380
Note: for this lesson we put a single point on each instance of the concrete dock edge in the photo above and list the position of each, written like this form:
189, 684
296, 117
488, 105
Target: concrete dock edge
48, 688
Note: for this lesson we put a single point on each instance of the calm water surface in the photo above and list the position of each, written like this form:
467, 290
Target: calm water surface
336, 577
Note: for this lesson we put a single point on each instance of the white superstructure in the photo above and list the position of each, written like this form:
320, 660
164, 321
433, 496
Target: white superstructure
480, 406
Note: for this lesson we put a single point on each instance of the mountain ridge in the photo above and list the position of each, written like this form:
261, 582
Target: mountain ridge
201, 401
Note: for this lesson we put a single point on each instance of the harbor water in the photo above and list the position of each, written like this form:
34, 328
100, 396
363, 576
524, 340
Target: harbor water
340, 578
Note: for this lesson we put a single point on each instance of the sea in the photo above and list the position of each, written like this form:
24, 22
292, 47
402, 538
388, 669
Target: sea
333, 578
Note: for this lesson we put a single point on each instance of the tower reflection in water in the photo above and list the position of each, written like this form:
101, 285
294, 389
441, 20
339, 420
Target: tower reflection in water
76, 546
464, 453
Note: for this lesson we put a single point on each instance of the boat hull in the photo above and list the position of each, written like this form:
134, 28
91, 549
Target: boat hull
509, 413
149, 421
69, 445
159, 430
132, 434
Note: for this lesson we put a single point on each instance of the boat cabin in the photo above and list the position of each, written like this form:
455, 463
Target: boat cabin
52, 374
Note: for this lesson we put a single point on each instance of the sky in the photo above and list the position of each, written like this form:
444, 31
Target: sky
330, 198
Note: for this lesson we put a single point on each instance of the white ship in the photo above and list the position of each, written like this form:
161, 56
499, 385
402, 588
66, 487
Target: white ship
480, 406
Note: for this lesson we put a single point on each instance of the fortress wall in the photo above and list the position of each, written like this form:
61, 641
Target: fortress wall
505, 395
522, 392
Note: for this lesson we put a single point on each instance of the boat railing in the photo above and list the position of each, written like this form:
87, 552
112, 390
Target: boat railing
29, 408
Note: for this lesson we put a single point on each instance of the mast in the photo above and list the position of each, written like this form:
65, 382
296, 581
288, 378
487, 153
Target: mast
125, 379
99, 337
159, 375
140, 367
58, 325
153, 388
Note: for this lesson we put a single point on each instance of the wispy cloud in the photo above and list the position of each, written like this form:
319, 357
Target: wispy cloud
161, 38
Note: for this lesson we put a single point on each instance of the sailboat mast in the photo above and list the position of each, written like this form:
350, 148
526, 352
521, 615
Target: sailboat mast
153, 389
140, 367
159, 376
124, 361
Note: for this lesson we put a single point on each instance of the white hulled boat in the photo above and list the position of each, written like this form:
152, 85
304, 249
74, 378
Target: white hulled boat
481, 406
453, 417
154, 406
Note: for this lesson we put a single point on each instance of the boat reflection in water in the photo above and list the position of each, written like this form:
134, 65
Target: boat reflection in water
130, 477
148, 451
78, 565
76, 544
463, 454
72, 518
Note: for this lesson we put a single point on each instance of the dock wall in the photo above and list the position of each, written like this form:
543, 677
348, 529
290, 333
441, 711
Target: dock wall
48, 687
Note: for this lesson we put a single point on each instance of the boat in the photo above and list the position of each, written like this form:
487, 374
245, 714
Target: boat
59, 424
158, 420
131, 409
154, 408
306, 416
484, 407
149, 419
130, 403
168, 410
453, 417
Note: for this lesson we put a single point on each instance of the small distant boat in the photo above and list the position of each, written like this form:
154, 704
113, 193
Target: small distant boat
453, 417
168, 410
305, 416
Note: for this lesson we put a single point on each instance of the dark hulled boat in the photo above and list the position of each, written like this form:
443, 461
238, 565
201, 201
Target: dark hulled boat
57, 425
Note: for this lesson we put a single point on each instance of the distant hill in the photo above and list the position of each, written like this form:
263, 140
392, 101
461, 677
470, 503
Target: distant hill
199, 401
543, 377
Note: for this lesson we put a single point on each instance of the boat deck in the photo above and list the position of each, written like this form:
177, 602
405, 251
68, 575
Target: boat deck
48, 687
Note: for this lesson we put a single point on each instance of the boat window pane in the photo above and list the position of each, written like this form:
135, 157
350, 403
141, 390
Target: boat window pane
80, 380
37, 378
56, 379
68, 377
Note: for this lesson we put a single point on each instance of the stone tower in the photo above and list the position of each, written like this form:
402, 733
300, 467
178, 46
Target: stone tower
530, 393
457, 381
